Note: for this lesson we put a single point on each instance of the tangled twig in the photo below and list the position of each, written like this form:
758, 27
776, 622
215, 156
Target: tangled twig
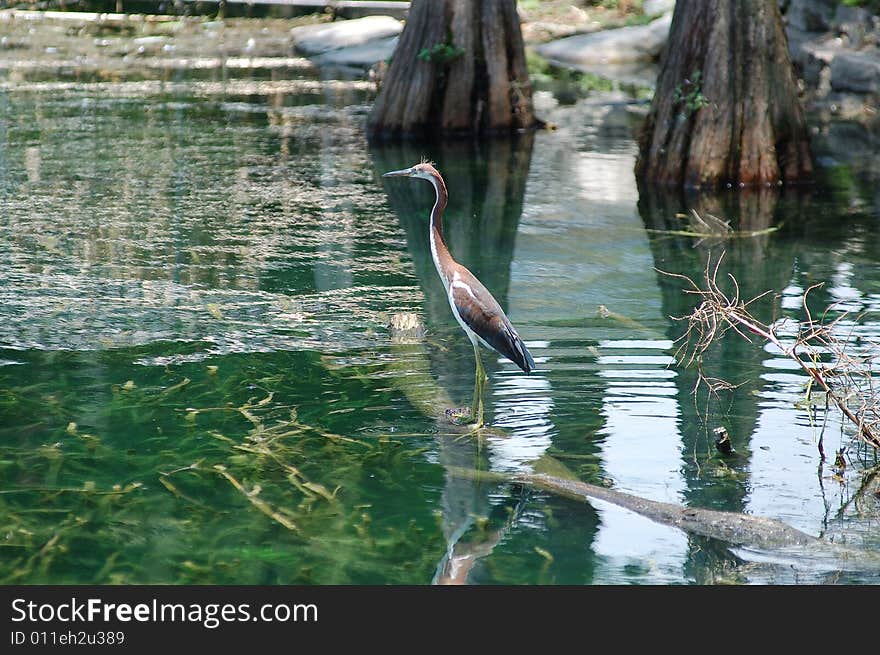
816, 346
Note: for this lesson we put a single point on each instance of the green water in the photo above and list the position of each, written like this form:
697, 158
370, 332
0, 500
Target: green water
197, 384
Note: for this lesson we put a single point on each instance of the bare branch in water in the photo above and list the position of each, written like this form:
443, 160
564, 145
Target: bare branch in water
845, 379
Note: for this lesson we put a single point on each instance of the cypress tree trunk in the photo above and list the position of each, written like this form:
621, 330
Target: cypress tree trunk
459, 69
726, 109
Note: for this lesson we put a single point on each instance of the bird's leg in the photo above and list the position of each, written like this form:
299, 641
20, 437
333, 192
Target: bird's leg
473, 415
479, 382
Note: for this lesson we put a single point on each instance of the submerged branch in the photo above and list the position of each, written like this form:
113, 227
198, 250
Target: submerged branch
708, 226
740, 529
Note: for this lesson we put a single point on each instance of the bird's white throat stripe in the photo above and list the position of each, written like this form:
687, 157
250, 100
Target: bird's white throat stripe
437, 261
458, 284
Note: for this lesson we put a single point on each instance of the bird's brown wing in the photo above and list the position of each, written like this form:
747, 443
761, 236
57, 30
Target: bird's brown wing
482, 314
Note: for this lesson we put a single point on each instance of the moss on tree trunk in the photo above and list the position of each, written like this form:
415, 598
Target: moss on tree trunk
726, 110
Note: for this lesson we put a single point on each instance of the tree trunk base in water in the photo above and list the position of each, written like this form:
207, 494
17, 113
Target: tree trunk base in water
726, 110
459, 69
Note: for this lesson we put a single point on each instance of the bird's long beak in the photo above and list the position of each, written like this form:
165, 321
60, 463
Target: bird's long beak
401, 173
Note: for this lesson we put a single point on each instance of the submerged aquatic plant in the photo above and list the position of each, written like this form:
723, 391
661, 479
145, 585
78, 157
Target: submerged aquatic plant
200, 475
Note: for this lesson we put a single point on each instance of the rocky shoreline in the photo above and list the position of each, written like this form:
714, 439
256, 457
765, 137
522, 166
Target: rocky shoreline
835, 49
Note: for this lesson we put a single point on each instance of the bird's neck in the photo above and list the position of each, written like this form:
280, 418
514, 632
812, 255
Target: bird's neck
439, 252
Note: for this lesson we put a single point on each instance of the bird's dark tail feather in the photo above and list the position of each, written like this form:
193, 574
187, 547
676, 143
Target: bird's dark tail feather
521, 355
529, 362
507, 342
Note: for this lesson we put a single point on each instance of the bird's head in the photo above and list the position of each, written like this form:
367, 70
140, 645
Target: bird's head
424, 170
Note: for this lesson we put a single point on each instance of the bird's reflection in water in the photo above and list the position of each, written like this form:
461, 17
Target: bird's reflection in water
474, 519
486, 183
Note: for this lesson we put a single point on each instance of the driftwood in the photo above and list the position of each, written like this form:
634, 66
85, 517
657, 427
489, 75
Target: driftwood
739, 529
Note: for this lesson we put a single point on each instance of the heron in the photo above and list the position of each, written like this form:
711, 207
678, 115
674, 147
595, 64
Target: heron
474, 307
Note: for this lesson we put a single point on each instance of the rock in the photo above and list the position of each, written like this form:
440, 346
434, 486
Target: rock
811, 15
857, 71
817, 55
854, 22
850, 143
622, 45
797, 38
642, 74
539, 28
361, 56
406, 324
150, 40
148, 44
543, 31
847, 15
324, 37
394, 9
836, 107
657, 7
848, 107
